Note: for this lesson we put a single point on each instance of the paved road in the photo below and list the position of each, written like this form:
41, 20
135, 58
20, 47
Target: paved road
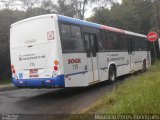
52, 101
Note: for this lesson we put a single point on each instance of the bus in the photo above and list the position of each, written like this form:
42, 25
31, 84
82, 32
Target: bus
58, 51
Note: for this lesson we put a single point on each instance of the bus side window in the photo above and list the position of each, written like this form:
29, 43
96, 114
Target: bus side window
65, 36
139, 44
123, 42
71, 38
113, 40
102, 43
65, 31
76, 32
108, 40
147, 47
130, 44
77, 43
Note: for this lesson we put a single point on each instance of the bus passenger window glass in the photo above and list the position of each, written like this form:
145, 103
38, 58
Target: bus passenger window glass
71, 38
65, 31
106, 41
123, 42
115, 43
109, 42
102, 43
130, 43
146, 44
76, 31
112, 41
139, 43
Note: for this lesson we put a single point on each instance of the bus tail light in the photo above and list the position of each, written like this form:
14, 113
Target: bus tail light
56, 62
12, 66
14, 71
55, 68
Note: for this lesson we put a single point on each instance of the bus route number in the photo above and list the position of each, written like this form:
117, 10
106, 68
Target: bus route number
75, 66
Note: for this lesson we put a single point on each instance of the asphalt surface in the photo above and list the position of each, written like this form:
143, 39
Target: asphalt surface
53, 101
7, 87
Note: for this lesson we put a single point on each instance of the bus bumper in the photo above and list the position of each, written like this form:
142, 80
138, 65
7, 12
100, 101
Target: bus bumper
40, 82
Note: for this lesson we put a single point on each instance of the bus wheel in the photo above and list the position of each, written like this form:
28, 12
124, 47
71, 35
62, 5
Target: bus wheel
112, 73
144, 66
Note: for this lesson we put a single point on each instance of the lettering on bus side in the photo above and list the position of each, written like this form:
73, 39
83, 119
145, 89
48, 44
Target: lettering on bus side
72, 61
22, 58
75, 66
116, 59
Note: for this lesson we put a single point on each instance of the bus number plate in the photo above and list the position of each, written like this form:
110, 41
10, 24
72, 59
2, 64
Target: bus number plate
33, 71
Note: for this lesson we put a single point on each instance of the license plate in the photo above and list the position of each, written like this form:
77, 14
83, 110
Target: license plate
33, 71
33, 76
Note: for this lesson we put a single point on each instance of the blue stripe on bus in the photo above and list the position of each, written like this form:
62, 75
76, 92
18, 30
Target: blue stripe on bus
76, 73
40, 82
77, 21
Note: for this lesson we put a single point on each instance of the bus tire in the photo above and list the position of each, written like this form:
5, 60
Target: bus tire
144, 68
112, 73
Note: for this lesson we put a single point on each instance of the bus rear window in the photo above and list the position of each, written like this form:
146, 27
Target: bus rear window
71, 38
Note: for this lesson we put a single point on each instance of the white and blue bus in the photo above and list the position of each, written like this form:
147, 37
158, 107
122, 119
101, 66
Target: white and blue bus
58, 51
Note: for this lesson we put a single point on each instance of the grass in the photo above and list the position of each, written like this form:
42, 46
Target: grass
138, 95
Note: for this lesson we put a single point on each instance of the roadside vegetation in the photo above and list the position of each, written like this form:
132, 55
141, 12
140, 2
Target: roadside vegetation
5, 81
138, 95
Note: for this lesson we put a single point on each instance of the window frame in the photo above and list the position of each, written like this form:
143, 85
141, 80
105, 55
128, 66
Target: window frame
62, 44
123, 38
142, 46
102, 39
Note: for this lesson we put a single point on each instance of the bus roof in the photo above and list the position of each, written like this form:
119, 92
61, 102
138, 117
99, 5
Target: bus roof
82, 22
32, 18
95, 25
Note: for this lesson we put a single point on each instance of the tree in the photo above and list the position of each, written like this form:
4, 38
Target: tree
79, 7
102, 3
29, 4
65, 8
72, 8
7, 18
133, 15
49, 6
35, 12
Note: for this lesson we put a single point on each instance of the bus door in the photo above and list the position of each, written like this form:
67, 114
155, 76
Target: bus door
131, 54
91, 49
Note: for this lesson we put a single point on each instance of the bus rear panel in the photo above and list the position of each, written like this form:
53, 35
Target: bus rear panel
34, 53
